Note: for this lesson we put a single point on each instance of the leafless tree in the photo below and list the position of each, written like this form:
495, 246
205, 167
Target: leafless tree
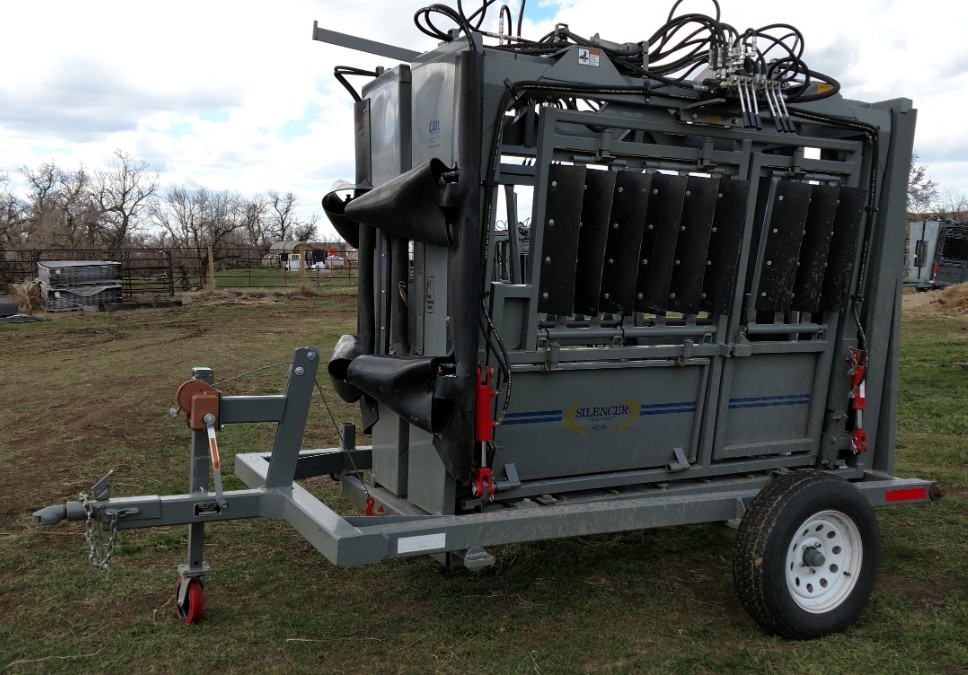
253, 211
198, 217
952, 206
61, 210
305, 230
123, 192
11, 227
12, 217
922, 191
123, 205
281, 217
282, 222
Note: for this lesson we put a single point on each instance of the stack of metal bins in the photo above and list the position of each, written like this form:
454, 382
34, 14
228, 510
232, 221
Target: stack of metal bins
67, 285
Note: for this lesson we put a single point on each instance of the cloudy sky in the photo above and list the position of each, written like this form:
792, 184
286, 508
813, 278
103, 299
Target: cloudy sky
237, 96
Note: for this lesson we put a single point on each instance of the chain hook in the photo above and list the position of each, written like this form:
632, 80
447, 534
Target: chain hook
99, 554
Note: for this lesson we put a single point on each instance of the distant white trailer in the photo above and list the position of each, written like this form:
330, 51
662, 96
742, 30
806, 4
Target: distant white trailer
937, 254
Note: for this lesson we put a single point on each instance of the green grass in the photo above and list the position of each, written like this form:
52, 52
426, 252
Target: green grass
87, 392
267, 277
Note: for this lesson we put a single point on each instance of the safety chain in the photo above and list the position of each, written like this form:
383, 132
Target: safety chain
366, 493
100, 554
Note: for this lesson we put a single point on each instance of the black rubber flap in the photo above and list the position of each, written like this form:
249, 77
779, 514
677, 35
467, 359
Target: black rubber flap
626, 225
595, 210
815, 247
559, 248
725, 242
657, 256
784, 234
692, 248
843, 248
347, 348
407, 206
405, 385
335, 209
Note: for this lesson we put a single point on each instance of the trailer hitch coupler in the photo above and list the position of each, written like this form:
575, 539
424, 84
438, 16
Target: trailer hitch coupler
58, 512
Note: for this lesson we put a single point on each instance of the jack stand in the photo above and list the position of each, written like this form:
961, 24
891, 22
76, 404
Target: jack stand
189, 598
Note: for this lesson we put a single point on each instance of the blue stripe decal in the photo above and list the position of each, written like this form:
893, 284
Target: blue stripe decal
667, 408
769, 401
534, 413
532, 417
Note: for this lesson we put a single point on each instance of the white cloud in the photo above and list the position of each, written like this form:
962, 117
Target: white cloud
236, 95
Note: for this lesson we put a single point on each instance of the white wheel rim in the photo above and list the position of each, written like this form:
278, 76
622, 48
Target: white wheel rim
823, 561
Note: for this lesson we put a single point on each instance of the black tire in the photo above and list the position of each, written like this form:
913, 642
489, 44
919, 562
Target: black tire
806, 555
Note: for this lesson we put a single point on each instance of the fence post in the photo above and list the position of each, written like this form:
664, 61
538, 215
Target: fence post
170, 273
302, 270
211, 269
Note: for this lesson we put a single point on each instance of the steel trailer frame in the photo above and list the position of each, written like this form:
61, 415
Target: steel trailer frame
403, 531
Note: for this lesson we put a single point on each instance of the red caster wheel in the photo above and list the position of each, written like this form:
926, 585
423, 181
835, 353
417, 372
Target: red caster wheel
190, 611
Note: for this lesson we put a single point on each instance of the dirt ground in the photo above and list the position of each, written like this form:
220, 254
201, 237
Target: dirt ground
952, 300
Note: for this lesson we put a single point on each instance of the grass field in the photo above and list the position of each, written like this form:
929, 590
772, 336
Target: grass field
262, 277
87, 392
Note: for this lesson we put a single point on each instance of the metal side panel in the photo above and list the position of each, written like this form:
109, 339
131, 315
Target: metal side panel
657, 258
815, 248
784, 234
390, 451
595, 211
768, 408
593, 420
559, 249
692, 248
725, 242
428, 485
629, 204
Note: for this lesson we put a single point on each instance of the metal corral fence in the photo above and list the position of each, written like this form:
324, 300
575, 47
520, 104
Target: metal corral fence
172, 270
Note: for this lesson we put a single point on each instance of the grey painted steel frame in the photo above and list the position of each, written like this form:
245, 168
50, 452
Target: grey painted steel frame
537, 351
356, 540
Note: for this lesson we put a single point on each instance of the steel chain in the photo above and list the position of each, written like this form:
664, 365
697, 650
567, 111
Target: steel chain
342, 442
99, 554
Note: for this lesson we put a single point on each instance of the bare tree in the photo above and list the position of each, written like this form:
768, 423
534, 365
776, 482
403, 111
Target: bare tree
177, 215
61, 210
122, 205
12, 233
281, 215
952, 206
253, 211
306, 229
12, 217
198, 217
922, 191
123, 193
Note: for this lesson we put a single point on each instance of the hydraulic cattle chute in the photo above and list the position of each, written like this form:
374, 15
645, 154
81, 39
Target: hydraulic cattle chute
602, 287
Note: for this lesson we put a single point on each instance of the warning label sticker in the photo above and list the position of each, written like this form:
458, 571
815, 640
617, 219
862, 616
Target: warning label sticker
207, 509
589, 57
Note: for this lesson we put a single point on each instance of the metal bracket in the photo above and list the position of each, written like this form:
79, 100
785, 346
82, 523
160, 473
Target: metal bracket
101, 490
681, 463
473, 559
511, 482
187, 573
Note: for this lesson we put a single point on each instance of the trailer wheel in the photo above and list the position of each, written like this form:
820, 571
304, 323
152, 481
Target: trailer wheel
806, 555
191, 610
